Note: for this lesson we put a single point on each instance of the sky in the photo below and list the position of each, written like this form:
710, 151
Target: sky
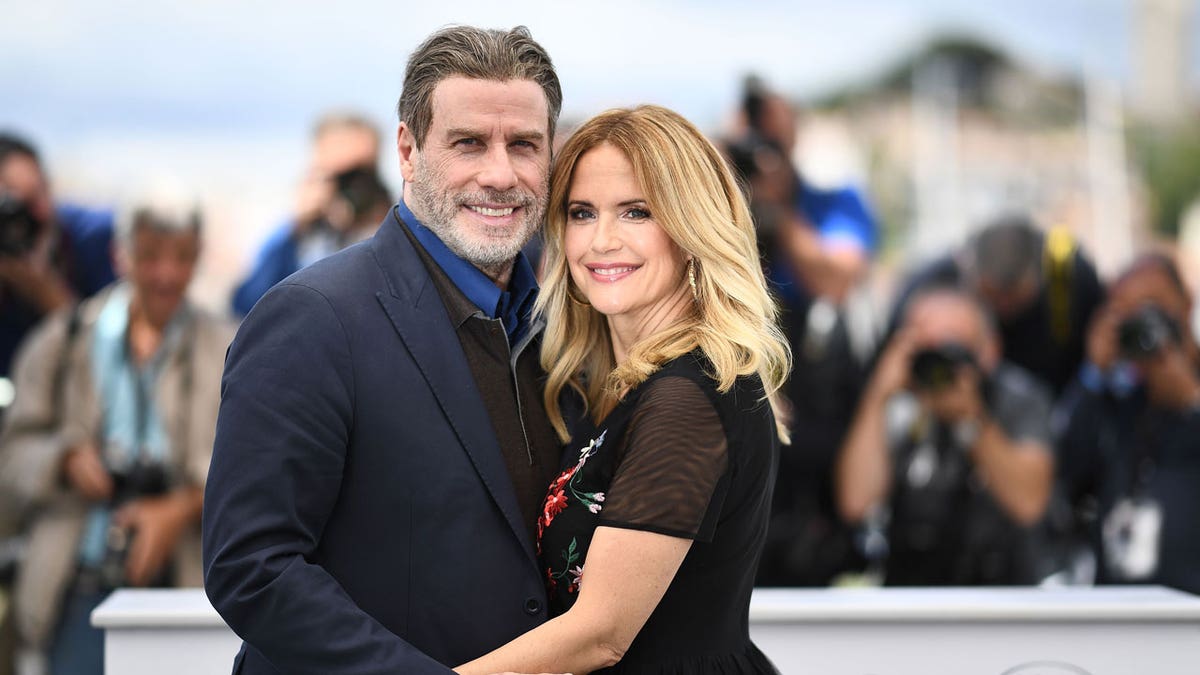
223, 93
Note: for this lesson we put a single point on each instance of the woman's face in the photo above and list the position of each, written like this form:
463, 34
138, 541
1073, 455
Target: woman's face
619, 257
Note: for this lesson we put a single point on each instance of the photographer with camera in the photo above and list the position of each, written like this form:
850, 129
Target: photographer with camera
1040, 286
949, 452
341, 200
1129, 461
816, 245
107, 444
49, 255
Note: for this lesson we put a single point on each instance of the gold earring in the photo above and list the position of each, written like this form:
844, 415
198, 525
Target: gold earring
692, 278
572, 298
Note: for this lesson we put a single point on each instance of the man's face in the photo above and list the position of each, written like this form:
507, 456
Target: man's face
23, 178
482, 178
1008, 302
1149, 286
342, 148
160, 266
941, 320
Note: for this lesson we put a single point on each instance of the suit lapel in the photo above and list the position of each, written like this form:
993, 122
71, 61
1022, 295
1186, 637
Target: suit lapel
419, 317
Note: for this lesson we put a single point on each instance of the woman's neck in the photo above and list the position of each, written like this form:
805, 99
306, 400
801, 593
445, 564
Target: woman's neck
628, 329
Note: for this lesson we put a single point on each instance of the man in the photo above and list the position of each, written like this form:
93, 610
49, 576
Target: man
817, 246
954, 444
49, 255
343, 145
382, 447
107, 444
1129, 458
1041, 288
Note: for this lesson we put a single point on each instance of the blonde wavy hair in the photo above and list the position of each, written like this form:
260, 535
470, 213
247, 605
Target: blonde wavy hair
694, 197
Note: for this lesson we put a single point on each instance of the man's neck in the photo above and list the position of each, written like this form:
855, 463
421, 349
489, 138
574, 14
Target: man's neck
499, 274
144, 336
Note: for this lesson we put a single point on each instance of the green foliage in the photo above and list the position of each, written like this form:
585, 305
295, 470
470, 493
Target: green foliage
1169, 161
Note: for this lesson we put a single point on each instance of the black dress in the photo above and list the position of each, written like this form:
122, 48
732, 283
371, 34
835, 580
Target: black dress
679, 458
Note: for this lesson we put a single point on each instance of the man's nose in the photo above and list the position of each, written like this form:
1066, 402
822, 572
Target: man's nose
498, 172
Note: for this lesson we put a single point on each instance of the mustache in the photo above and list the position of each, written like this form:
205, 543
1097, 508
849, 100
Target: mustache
514, 197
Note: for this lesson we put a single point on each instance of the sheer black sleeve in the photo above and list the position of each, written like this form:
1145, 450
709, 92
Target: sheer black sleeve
671, 475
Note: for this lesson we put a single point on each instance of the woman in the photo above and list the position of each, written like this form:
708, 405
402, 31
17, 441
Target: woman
659, 324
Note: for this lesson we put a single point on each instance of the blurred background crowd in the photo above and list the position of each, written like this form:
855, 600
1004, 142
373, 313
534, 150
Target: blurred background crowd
985, 240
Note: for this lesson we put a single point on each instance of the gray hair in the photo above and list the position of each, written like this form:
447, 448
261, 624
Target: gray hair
162, 210
478, 54
1006, 252
340, 119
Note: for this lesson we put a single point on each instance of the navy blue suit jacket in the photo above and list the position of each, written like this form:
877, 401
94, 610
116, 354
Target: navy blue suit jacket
358, 516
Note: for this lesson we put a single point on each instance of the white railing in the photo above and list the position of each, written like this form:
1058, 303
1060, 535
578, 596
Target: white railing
945, 631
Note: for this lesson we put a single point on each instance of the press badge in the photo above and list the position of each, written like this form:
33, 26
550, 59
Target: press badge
1131, 537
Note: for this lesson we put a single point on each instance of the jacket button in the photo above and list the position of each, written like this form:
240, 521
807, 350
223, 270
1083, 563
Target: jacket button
533, 606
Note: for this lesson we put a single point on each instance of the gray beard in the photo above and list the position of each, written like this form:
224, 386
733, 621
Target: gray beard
437, 211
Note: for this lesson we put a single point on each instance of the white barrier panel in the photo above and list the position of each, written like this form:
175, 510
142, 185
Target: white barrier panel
945, 631
993, 631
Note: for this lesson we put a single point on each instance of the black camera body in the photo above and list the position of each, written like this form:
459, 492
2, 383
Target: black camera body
935, 368
1146, 331
19, 228
142, 479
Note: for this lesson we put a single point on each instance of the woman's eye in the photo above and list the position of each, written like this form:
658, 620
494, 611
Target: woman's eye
579, 213
637, 213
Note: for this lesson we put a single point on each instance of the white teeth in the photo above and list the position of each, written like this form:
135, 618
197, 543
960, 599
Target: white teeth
492, 212
612, 271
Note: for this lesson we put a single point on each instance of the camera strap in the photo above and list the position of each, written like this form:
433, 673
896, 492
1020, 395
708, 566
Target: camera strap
1058, 254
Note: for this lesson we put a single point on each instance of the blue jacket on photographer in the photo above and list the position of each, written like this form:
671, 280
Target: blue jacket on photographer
816, 245
1129, 434
105, 450
49, 255
947, 463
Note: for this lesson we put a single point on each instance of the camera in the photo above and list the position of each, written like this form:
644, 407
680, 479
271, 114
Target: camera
143, 479
1145, 332
19, 228
936, 368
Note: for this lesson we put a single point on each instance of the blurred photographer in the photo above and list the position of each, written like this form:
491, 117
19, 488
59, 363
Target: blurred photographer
949, 452
341, 174
107, 444
49, 255
1040, 286
816, 246
1129, 461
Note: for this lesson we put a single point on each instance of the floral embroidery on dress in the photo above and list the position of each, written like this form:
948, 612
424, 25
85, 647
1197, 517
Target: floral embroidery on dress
561, 492
571, 555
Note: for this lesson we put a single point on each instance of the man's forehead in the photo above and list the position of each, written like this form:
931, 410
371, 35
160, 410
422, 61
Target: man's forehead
462, 102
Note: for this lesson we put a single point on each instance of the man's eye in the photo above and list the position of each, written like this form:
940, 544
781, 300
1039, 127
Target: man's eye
524, 145
467, 142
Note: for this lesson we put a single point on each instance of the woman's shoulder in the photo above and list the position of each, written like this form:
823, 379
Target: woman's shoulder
696, 367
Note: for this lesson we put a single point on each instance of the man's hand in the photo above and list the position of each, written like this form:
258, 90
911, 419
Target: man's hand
1102, 339
84, 472
35, 281
894, 369
1171, 380
961, 400
314, 196
156, 524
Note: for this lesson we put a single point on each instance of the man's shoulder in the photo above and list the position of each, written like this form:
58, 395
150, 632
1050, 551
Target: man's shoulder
349, 270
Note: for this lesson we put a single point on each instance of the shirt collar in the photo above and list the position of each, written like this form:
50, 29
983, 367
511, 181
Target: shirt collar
513, 305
